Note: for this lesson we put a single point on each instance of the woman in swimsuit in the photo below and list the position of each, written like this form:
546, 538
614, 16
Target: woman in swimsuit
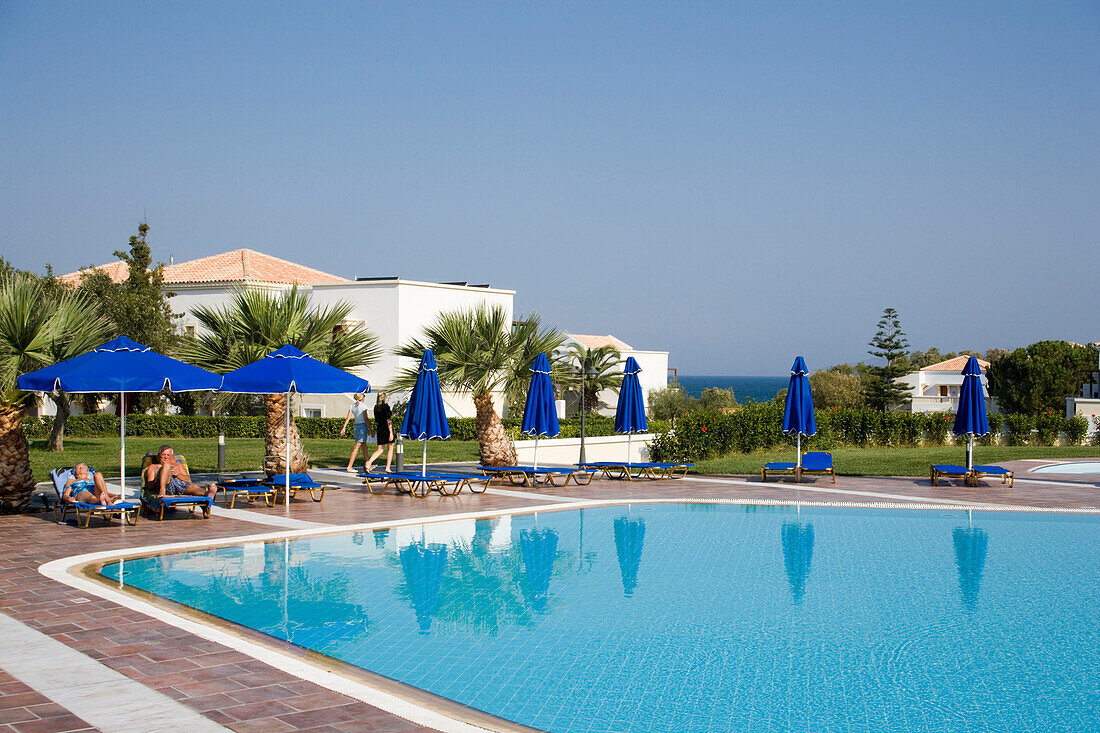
87, 486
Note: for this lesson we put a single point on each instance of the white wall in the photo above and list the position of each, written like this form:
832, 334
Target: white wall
924, 389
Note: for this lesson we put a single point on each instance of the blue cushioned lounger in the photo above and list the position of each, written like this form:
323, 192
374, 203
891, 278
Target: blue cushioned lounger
247, 488
127, 510
949, 471
778, 467
298, 482
1007, 476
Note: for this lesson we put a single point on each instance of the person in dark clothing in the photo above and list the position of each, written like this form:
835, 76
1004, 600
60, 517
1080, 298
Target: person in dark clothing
383, 431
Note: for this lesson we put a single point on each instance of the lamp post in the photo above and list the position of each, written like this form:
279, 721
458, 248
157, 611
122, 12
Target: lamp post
587, 370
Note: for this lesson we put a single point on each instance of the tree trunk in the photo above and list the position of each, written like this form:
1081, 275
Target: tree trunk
57, 432
494, 446
16, 478
275, 438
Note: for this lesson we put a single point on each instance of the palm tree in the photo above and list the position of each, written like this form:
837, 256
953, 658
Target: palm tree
606, 363
36, 325
478, 352
256, 322
82, 328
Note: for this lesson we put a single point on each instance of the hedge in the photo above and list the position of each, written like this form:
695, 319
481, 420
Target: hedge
756, 426
190, 426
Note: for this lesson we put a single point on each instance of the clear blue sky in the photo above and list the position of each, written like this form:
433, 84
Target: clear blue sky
734, 182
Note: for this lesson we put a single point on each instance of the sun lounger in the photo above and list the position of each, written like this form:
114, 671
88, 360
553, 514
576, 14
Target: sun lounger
949, 471
531, 476
126, 510
298, 482
420, 485
630, 471
406, 482
157, 505
779, 467
1006, 475
817, 464
249, 489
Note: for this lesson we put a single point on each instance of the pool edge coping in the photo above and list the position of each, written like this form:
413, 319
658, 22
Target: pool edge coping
76, 571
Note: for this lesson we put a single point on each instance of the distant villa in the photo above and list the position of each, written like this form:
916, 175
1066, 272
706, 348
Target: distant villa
394, 309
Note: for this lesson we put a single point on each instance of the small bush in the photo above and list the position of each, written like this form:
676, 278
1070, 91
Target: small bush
1019, 428
1077, 427
1048, 425
996, 427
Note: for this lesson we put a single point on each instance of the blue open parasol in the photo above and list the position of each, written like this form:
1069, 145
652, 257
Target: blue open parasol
798, 412
629, 540
290, 369
630, 410
540, 416
425, 418
121, 366
971, 419
540, 549
423, 567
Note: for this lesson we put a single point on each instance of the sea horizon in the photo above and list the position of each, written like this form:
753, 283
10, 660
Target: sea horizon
745, 387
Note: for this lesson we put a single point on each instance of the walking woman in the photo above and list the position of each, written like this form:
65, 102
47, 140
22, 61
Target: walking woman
358, 412
384, 432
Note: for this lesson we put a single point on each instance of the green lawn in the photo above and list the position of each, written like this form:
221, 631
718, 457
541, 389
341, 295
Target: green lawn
894, 461
241, 454
246, 454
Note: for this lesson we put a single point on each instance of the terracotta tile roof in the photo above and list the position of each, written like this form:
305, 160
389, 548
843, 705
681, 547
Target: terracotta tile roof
595, 342
953, 365
117, 271
240, 265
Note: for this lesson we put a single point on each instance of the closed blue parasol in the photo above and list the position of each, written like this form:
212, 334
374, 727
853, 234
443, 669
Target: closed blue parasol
798, 412
629, 541
630, 410
290, 369
971, 419
425, 418
540, 416
423, 567
122, 366
540, 549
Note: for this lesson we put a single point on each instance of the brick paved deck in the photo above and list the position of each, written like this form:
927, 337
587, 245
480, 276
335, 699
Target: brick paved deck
244, 694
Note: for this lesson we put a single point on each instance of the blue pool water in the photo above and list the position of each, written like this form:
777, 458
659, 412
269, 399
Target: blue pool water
1082, 468
688, 617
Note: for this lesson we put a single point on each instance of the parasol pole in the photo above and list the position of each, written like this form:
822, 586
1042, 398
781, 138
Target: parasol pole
286, 486
122, 442
424, 458
798, 448
536, 451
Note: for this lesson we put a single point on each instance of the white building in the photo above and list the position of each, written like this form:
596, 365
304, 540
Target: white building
1087, 404
935, 388
394, 309
654, 364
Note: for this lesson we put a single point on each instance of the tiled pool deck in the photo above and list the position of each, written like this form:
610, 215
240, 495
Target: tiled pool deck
231, 689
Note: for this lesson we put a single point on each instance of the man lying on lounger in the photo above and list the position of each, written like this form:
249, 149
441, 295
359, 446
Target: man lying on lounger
87, 486
169, 477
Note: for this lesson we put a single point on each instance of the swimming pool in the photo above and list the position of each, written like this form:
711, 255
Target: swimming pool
1081, 467
693, 617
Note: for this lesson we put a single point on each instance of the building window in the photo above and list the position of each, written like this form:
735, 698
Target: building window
943, 390
312, 411
189, 330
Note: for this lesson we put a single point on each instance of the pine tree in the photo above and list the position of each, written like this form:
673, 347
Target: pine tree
888, 343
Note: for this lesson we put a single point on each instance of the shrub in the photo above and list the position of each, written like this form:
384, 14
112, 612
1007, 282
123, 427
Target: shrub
1048, 425
1077, 427
1019, 428
996, 427
1096, 429
936, 427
